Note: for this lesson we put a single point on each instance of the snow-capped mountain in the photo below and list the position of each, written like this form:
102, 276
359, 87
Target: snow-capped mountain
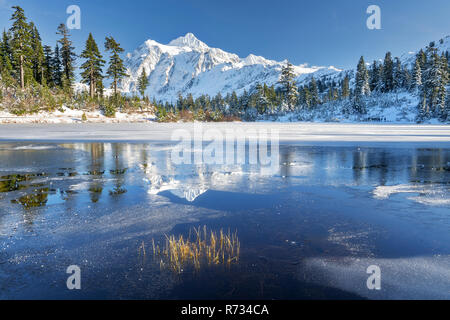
187, 65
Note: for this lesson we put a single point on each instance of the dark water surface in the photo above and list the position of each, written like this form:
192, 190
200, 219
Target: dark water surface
309, 231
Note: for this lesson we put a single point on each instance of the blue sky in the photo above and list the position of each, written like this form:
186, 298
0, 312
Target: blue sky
320, 32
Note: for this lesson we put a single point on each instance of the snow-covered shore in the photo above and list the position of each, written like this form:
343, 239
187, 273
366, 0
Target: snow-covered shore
295, 132
66, 115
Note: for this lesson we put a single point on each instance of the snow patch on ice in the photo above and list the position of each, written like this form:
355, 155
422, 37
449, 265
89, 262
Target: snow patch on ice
384, 192
432, 195
34, 147
432, 201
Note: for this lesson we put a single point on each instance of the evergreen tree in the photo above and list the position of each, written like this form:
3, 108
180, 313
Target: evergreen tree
68, 56
218, 103
424, 112
21, 44
48, 65
432, 78
336, 94
92, 67
362, 87
447, 108
180, 100
272, 96
313, 89
262, 101
417, 75
143, 84
204, 102
189, 102
332, 93
380, 85
406, 78
244, 100
374, 74
38, 55
288, 86
1, 58
345, 91
306, 97
388, 73
99, 88
442, 88
116, 69
421, 57
398, 79
234, 102
57, 69
5, 56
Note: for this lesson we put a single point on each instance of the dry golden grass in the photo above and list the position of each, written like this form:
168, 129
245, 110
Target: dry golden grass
201, 247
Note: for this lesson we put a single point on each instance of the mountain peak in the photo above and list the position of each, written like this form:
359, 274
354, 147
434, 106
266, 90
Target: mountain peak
188, 40
186, 65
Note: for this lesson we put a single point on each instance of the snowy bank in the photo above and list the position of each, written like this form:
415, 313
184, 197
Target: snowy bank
67, 115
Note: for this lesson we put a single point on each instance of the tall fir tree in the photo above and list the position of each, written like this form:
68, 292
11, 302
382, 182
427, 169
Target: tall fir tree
6, 56
21, 46
288, 86
48, 65
398, 75
234, 102
442, 88
68, 57
99, 87
374, 74
314, 91
306, 97
417, 75
362, 87
92, 67
345, 91
38, 55
388, 73
180, 100
431, 79
262, 101
116, 69
2, 55
190, 104
143, 84
421, 57
406, 78
1, 59
244, 100
57, 69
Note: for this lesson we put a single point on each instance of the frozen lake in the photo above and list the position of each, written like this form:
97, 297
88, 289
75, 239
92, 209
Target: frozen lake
294, 133
309, 230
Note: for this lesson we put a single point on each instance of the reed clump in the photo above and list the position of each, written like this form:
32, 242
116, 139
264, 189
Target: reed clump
202, 247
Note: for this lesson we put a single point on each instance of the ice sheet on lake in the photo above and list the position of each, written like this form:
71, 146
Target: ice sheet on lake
356, 243
306, 132
403, 278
